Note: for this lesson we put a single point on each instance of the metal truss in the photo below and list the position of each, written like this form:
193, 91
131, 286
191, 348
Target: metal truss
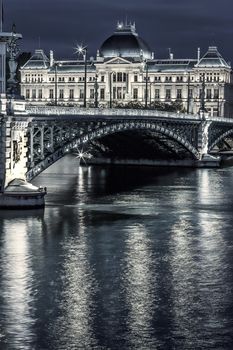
51, 140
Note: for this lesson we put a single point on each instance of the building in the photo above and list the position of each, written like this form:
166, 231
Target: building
126, 73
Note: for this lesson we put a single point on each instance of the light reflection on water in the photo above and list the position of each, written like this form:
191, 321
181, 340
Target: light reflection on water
121, 258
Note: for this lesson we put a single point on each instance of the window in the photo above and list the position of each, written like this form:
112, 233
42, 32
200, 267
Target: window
51, 94
102, 78
157, 94
61, 94
81, 93
27, 93
71, 94
135, 78
33, 93
208, 94
168, 94
179, 94
92, 93
190, 93
119, 92
216, 93
102, 94
40, 94
135, 94
119, 77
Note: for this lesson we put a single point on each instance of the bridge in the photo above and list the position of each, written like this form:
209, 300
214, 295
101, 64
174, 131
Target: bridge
33, 140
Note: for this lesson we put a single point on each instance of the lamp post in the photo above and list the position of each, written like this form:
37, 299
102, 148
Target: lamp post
56, 64
96, 90
188, 97
218, 96
82, 50
151, 83
110, 89
146, 92
202, 104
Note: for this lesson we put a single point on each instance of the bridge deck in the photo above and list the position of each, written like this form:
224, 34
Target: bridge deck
57, 112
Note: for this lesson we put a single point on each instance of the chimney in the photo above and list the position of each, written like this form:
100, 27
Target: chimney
198, 54
51, 58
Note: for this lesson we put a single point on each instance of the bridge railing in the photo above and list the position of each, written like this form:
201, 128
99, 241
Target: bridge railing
113, 112
60, 110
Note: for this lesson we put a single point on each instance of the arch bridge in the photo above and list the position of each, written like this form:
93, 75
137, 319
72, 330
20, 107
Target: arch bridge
31, 142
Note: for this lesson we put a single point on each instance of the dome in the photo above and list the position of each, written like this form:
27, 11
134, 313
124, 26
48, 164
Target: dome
125, 42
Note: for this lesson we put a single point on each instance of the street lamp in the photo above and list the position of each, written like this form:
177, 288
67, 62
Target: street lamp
218, 96
110, 89
188, 97
146, 92
56, 64
202, 105
96, 90
151, 83
82, 50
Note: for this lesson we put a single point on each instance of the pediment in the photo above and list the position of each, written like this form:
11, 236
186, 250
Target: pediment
118, 60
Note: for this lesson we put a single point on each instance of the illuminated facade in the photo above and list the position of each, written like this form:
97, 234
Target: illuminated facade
125, 72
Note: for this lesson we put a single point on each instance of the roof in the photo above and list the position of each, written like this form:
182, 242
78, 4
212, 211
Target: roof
171, 65
125, 42
212, 58
72, 66
38, 61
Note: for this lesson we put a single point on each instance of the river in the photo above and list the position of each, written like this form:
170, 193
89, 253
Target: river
121, 258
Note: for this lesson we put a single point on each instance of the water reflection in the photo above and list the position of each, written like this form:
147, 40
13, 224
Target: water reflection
140, 285
17, 294
76, 309
122, 258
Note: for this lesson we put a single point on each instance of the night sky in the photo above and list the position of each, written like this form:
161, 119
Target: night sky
182, 25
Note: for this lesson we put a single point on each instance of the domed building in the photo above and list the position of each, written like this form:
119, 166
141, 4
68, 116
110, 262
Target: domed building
126, 73
125, 42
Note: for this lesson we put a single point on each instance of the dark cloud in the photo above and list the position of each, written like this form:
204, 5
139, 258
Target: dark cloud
182, 25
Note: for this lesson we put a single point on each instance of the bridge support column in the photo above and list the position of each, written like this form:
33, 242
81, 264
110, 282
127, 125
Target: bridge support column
206, 160
2, 153
15, 150
15, 192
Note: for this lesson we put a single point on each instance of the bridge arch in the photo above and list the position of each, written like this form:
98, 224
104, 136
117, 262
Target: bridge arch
104, 130
220, 138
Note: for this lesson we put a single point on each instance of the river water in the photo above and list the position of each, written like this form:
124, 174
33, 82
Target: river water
121, 258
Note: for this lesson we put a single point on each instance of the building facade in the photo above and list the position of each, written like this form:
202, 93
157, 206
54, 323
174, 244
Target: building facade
126, 73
